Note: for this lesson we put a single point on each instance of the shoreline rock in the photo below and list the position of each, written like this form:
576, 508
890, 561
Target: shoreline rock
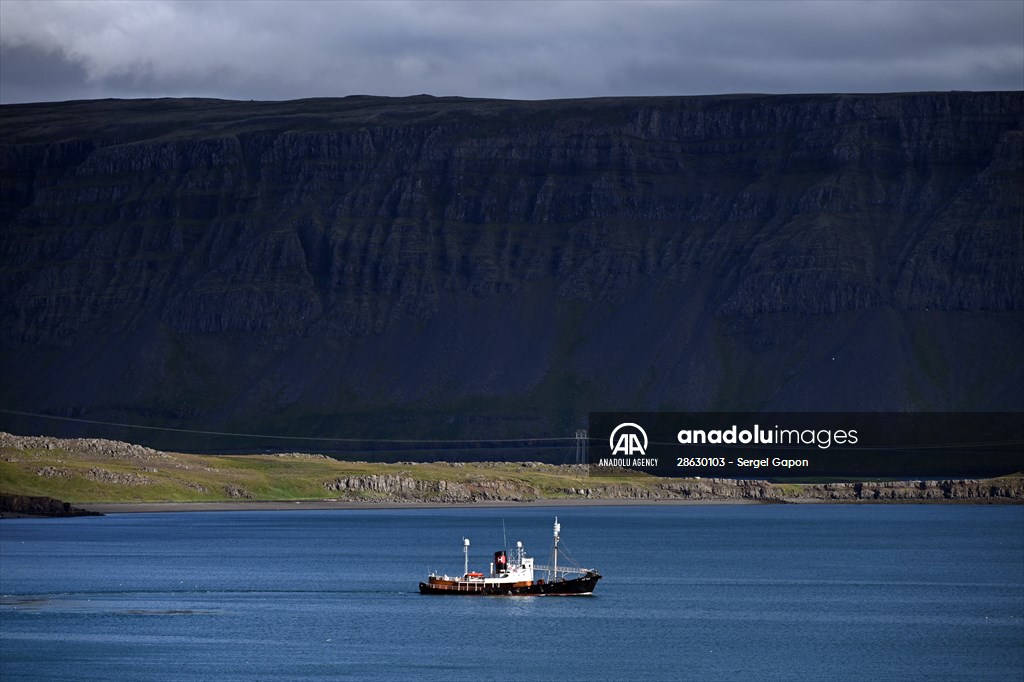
21, 506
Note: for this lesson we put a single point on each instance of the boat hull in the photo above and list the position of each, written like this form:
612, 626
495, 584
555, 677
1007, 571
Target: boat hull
577, 586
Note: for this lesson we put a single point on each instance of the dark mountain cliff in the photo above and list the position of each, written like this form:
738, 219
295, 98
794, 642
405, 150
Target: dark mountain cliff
454, 267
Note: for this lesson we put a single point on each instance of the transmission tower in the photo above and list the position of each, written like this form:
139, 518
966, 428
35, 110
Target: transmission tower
581, 446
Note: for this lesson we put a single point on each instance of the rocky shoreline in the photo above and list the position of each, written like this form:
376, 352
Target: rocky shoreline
116, 476
22, 506
399, 488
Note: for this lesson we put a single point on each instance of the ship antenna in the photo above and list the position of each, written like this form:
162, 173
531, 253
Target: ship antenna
465, 550
504, 538
557, 529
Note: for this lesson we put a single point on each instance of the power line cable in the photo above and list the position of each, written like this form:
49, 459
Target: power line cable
413, 441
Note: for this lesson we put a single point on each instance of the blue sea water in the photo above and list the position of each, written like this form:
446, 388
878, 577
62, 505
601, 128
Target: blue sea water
820, 592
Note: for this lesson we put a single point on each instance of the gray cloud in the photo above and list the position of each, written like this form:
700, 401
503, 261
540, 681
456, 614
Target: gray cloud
525, 50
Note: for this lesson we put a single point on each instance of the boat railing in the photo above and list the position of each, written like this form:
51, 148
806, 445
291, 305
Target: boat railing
563, 571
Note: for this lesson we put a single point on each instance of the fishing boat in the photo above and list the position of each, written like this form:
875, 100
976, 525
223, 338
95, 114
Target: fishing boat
515, 574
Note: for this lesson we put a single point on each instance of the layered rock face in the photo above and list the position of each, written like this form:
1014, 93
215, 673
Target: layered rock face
445, 267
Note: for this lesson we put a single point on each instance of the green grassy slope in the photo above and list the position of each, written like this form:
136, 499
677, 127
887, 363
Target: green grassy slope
82, 476
87, 471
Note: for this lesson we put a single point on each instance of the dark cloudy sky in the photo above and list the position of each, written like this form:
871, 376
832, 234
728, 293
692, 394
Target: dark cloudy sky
233, 49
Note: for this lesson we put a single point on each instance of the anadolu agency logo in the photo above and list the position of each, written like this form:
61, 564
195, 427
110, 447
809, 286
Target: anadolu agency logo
628, 446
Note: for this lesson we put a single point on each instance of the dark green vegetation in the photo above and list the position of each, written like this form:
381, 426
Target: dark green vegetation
443, 267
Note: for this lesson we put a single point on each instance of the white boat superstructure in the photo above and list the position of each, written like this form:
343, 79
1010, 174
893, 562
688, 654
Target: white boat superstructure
514, 574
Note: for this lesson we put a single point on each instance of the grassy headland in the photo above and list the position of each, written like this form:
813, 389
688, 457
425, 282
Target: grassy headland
83, 471
93, 470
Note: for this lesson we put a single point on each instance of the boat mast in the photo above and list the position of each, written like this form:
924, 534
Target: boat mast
465, 550
557, 529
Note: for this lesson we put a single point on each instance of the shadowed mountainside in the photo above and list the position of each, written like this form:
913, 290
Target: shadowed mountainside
447, 267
